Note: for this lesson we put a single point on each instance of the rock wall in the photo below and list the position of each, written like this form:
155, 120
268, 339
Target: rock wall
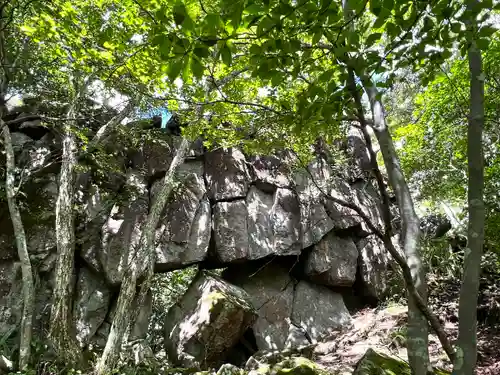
228, 210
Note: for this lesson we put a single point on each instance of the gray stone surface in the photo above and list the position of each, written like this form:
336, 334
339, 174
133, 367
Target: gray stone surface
207, 322
183, 234
91, 305
271, 172
121, 233
227, 174
374, 262
273, 223
333, 261
271, 292
319, 311
231, 231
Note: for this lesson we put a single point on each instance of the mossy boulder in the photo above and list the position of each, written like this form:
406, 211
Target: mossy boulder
207, 322
374, 363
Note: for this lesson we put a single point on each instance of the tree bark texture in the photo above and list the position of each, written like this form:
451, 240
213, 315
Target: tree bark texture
418, 352
386, 235
61, 329
467, 312
22, 251
145, 251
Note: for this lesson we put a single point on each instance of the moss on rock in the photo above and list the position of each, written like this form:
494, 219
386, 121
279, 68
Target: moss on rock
374, 363
291, 366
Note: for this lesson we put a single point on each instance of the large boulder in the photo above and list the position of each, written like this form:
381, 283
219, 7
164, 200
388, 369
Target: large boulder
358, 152
207, 322
226, 174
367, 198
311, 187
319, 311
290, 366
271, 290
262, 225
155, 155
273, 223
271, 172
121, 233
91, 305
374, 263
333, 261
183, 234
231, 231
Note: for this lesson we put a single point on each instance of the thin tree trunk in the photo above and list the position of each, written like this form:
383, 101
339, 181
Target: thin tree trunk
146, 250
28, 288
386, 236
418, 351
61, 330
467, 311
22, 251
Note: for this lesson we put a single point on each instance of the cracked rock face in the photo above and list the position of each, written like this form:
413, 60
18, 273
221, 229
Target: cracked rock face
227, 174
374, 262
183, 234
291, 313
209, 320
257, 215
333, 261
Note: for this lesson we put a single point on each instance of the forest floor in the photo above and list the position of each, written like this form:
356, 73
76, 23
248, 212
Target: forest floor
383, 329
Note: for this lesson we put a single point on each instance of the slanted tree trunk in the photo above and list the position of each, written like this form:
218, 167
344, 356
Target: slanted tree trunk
145, 251
418, 352
22, 251
418, 333
467, 311
61, 332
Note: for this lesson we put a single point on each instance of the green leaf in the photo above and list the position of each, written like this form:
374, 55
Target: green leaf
201, 51
483, 44
379, 22
210, 41
196, 67
317, 36
255, 49
392, 29
255, 9
174, 69
226, 55
180, 13
264, 25
487, 31
237, 14
376, 7
456, 27
370, 41
389, 4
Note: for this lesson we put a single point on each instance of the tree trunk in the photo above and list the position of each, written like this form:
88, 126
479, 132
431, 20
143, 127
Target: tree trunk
146, 250
386, 235
467, 312
61, 330
418, 351
22, 251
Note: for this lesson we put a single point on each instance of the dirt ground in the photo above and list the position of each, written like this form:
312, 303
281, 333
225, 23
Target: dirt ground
383, 330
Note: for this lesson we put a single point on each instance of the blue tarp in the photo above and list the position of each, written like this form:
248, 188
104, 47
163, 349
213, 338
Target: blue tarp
160, 111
